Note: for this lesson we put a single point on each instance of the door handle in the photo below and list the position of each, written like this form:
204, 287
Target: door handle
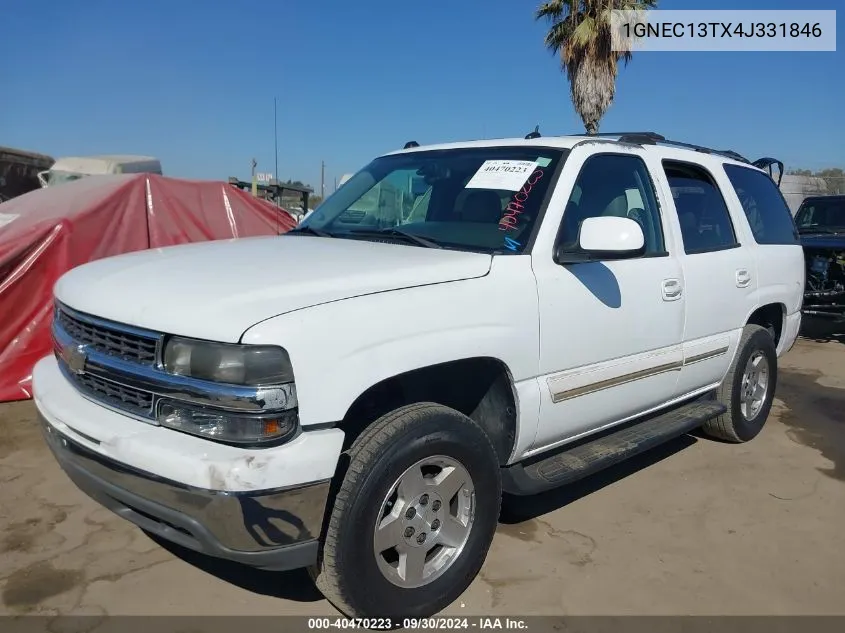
672, 289
743, 278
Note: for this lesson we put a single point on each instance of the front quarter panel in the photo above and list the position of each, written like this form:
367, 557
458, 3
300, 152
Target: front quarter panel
340, 349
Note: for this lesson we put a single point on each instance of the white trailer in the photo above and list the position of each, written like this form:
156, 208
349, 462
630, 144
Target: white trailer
75, 167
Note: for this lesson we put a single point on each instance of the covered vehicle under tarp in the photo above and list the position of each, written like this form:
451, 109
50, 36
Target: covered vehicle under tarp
47, 232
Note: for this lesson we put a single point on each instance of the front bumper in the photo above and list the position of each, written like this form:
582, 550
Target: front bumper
268, 529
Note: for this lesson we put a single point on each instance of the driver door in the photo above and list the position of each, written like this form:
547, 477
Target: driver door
610, 331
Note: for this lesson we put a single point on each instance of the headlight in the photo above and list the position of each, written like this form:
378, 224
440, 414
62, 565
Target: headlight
225, 426
251, 365
257, 407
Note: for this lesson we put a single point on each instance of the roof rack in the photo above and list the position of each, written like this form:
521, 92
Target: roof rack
653, 138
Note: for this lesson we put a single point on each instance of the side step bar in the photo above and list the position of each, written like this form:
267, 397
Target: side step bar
593, 455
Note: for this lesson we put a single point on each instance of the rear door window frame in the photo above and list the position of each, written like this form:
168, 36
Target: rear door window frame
715, 184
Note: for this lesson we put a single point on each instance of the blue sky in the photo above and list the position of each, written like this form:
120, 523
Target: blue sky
193, 83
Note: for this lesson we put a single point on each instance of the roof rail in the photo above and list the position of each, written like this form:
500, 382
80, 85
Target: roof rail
653, 138
642, 138
727, 153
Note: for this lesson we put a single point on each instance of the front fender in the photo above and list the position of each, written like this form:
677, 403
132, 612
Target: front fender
338, 350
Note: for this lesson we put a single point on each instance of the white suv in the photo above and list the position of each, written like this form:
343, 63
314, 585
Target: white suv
456, 321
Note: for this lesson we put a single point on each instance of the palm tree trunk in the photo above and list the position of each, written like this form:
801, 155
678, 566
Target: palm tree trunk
592, 85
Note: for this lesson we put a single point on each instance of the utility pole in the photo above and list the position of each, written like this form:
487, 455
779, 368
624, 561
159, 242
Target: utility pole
322, 179
335, 183
276, 138
254, 181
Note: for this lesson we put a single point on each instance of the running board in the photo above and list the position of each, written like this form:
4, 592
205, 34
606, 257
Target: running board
593, 455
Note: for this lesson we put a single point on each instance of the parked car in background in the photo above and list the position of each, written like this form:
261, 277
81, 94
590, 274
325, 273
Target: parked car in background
526, 313
75, 167
821, 225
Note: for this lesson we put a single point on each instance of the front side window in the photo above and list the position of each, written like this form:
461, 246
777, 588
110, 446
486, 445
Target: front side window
764, 206
821, 215
486, 199
705, 220
614, 185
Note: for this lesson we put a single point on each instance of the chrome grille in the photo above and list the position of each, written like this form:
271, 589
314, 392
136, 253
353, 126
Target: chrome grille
115, 395
89, 348
120, 343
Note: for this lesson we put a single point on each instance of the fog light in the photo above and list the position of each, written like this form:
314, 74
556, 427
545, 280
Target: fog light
227, 427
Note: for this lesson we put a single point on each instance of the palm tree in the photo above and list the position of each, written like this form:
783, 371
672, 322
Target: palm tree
580, 33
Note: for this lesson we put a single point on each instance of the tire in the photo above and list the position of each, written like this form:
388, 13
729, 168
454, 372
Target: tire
741, 424
361, 583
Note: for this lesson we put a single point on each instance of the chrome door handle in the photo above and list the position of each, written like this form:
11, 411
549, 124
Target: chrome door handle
743, 278
672, 289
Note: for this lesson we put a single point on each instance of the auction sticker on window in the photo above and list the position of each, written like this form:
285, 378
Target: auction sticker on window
506, 175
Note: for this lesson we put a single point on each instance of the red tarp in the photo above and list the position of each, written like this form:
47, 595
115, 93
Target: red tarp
47, 232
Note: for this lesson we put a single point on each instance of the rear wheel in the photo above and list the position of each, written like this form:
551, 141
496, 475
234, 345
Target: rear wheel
748, 389
414, 516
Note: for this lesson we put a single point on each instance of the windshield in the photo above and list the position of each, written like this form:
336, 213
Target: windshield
821, 215
485, 199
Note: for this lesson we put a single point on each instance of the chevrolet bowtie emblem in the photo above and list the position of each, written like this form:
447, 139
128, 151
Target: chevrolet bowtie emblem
74, 357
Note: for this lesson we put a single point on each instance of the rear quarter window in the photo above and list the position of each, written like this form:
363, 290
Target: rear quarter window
767, 213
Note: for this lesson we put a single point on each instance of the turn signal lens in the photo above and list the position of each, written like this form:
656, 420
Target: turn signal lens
226, 427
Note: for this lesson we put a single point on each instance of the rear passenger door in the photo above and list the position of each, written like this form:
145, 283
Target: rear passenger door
720, 279
776, 246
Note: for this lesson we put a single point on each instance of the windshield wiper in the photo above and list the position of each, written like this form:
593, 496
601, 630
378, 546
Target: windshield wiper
307, 230
394, 232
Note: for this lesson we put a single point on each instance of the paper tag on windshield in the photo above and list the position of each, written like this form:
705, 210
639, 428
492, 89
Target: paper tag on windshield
7, 218
507, 175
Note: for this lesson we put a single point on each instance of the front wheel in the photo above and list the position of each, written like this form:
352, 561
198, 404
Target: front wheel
414, 516
748, 389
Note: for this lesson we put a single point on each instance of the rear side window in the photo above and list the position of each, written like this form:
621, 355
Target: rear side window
705, 221
764, 206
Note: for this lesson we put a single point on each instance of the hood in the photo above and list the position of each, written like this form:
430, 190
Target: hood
823, 240
217, 290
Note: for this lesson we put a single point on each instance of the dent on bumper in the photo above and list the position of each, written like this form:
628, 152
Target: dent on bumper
270, 529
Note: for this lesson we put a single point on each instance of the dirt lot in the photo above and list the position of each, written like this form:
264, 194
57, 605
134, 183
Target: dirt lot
696, 527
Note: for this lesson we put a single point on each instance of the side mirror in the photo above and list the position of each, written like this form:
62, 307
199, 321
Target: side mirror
604, 238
